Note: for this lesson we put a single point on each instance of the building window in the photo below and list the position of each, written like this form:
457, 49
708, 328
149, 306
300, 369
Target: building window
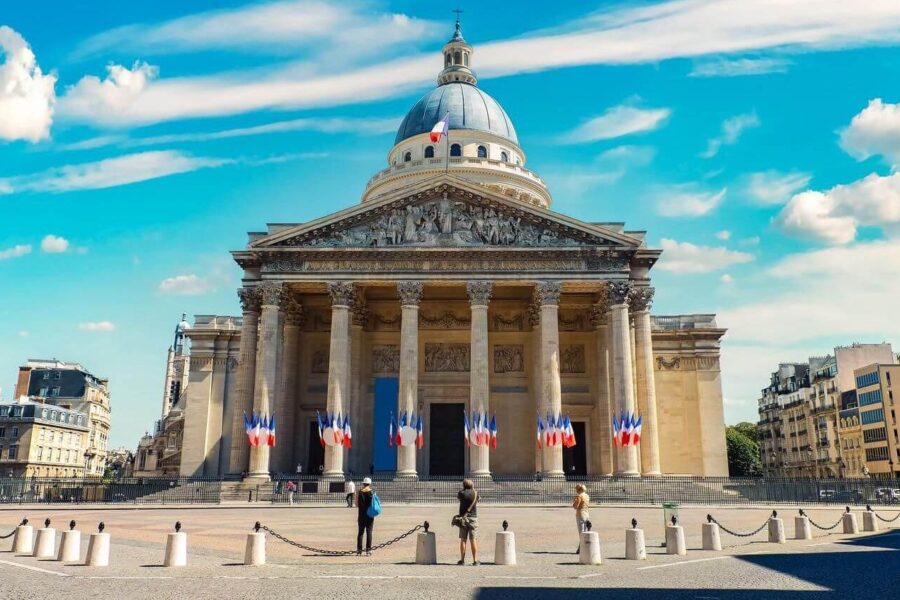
40, 453
13, 450
875, 435
872, 416
57, 374
54, 391
504, 156
482, 152
455, 150
52, 436
872, 397
429, 152
43, 392
880, 453
457, 58
448, 59
867, 379
407, 156
466, 58
15, 432
2, 432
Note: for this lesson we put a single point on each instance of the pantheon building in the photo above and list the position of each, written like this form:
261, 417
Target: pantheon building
453, 286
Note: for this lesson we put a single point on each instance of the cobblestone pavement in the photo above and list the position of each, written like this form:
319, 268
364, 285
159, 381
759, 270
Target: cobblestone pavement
829, 566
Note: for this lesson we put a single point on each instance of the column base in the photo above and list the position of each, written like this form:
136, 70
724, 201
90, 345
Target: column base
406, 476
651, 474
257, 478
627, 474
333, 476
552, 475
481, 476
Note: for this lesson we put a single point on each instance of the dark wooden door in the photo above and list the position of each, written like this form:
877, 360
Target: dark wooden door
447, 451
575, 458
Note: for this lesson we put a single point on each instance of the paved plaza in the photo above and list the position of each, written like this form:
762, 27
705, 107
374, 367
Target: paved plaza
829, 566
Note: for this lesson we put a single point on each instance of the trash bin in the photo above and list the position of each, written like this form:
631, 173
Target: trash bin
670, 509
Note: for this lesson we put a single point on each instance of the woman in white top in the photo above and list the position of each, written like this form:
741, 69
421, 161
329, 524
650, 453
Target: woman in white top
580, 504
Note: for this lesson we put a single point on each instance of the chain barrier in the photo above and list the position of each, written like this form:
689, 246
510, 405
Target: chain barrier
322, 552
11, 533
817, 526
712, 519
883, 519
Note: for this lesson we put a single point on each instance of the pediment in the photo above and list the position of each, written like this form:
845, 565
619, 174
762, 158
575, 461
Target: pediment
444, 214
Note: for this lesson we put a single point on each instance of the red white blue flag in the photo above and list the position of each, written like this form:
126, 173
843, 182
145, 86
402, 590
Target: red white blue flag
540, 432
494, 431
347, 433
466, 429
271, 429
440, 129
420, 434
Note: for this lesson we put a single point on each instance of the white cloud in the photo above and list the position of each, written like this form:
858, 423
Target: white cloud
186, 285
647, 34
848, 292
750, 241
685, 201
627, 156
774, 187
97, 326
108, 101
833, 216
685, 257
27, 95
723, 235
16, 251
732, 129
726, 278
52, 244
739, 67
111, 172
617, 121
874, 131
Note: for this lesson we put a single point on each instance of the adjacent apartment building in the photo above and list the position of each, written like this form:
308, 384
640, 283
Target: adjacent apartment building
811, 418
69, 385
41, 440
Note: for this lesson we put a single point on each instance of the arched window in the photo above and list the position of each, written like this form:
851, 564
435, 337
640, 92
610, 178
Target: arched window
429, 152
407, 156
457, 59
466, 58
504, 157
482, 152
448, 59
455, 150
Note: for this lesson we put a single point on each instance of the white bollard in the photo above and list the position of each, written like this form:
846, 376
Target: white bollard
98, 549
869, 521
675, 540
712, 539
426, 548
45, 543
802, 530
850, 524
255, 551
23, 543
635, 547
70, 545
590, 548
176, 548
776, 530
505, 547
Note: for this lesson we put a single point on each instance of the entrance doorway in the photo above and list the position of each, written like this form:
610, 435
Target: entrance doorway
315, 463
447, 453
575, 458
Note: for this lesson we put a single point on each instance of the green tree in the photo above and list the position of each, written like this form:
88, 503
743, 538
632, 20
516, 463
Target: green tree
748, 430
743, 454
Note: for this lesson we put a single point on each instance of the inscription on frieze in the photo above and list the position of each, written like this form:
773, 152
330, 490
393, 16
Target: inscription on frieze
447, 358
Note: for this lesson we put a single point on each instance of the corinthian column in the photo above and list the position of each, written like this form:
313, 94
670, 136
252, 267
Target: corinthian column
286, 407
266, 370
338, 368
602, 429
479, 382
641, 299
410, 295
547, 296
623, 388
237, 439
357, 460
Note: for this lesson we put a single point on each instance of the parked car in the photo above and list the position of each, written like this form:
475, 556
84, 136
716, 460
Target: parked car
826, 495
887, 495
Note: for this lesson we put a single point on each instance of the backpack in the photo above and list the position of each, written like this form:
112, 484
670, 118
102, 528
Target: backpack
375, 508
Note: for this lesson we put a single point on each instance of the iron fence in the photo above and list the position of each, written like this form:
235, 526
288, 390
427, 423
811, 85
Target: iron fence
137, 490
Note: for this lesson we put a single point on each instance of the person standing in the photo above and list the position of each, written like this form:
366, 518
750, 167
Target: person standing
580, 504
291, 488
350, 488
467, 521
363, 520
299, 469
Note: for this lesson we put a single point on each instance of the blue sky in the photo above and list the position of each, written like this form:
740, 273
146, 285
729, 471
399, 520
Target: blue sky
755, 142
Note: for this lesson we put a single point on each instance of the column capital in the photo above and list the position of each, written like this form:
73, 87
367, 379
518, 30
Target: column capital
250, 299
410, 292
479, 292
618, 292
641, 298
358, 311
546, 293
271, 293
292, 309
341, 293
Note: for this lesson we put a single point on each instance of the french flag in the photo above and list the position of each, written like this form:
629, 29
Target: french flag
636, 431
271, 429
540, 432
392, 432
420, 435
615, 430
248, 429
400, 425
466, 428
626, 434
348, 433
336, 428
440, 129
321, 429
570, 433
494, 431
548, 432
255, 437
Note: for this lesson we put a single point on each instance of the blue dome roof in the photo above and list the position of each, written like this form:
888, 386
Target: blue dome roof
469, 108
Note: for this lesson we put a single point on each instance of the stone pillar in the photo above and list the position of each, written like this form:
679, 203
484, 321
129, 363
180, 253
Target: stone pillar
239, 448
479, 380
623, 391
602, 419
410, 295
286, 408
547, 295
338, 369
266, 370
537, 388
641, 299
358, 315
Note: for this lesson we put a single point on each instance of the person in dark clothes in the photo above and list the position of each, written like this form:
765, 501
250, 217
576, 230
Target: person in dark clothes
468, 506
363, 520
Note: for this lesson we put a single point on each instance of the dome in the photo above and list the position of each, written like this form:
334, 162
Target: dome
469, 108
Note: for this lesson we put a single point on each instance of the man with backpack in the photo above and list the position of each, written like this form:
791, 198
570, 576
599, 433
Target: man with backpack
291, 488
467, 521
368, 507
